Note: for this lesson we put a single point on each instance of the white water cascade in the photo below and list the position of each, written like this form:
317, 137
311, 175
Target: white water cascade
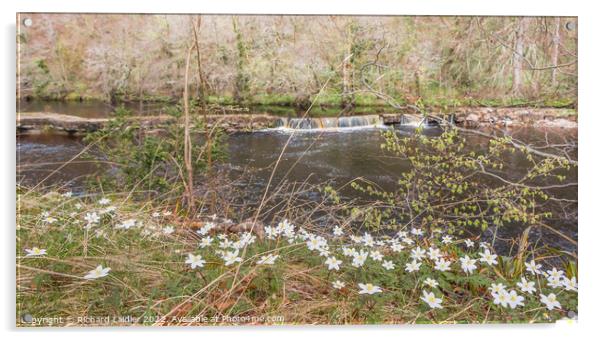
330, 122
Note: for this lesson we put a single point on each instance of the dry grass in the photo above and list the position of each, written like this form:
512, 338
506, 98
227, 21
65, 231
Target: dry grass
150, 282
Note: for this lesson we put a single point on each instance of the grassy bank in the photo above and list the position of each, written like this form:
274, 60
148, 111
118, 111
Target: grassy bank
284, 274
334, 101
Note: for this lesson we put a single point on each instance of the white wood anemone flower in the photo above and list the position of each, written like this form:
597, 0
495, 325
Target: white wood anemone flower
195, 261
488, 257
550, 301
430, 282
333, 263
468, 264
231, 257
206, 242
442, 265
526, 286
49, 220
533, 267
418, 253
497, 288
338, 284
376, 255
35, 251
91, 218
369, 288
97, 272
413, 266
388, 265
268, 259
502, 298
570, 284
359, 259
337, 231
515, 300
431, 300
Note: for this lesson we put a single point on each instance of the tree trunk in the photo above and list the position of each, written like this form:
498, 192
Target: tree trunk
517, 58
347, 77
201, 94
241, 82
555, 45
187, 143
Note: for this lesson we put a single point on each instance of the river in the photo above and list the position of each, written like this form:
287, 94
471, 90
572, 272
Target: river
337, 156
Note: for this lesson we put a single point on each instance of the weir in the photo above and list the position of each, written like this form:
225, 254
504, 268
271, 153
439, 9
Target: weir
330, 122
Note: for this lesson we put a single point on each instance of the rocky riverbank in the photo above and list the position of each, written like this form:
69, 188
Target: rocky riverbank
474, 117
33, 122
471, 117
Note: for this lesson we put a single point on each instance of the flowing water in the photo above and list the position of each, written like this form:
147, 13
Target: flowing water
337, 150
329, 123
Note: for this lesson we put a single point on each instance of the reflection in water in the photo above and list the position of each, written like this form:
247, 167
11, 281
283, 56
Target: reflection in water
100, 109
89, 109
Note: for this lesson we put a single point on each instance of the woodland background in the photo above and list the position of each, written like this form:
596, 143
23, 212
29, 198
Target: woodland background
285, 60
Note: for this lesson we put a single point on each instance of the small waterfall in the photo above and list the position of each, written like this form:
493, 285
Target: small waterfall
329, 122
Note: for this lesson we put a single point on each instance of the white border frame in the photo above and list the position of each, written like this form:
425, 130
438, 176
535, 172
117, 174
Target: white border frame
589, 124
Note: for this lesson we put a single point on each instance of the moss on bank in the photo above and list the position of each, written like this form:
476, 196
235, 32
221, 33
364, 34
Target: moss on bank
327, 102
